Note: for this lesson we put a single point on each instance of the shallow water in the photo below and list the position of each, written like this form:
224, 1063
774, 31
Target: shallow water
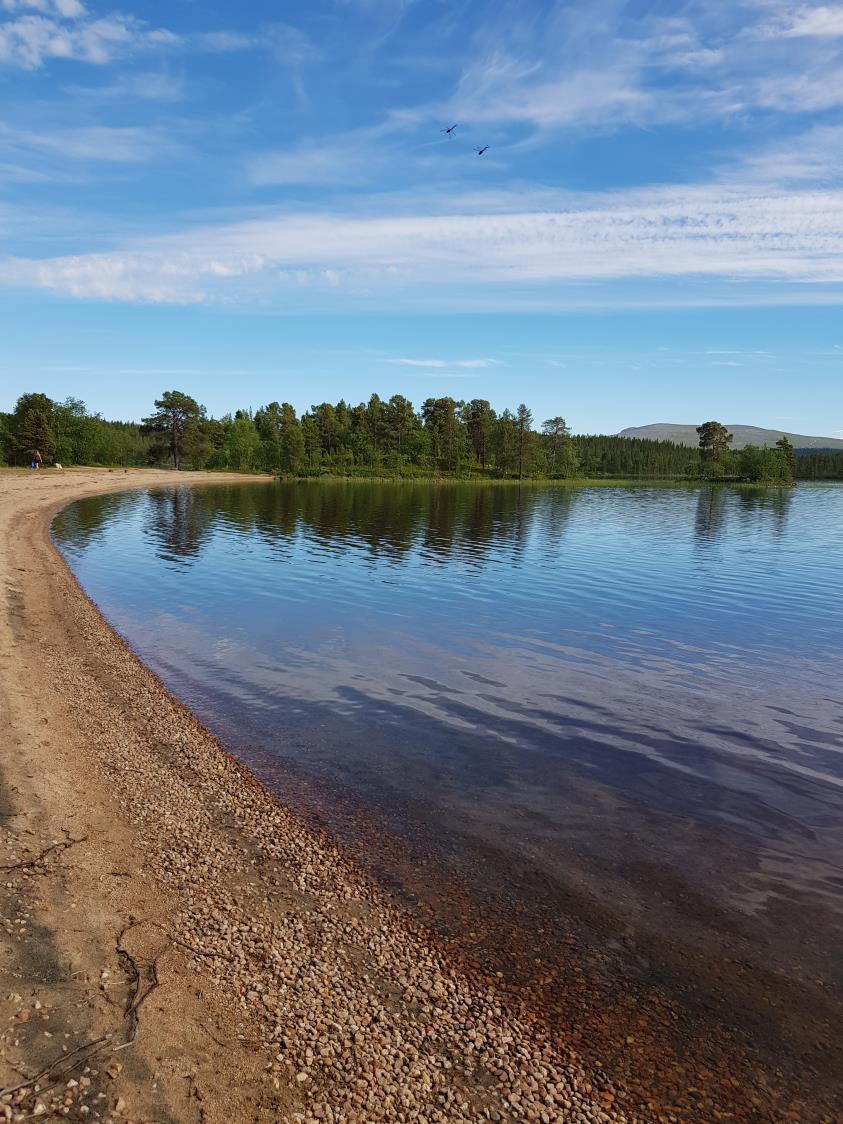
625, 699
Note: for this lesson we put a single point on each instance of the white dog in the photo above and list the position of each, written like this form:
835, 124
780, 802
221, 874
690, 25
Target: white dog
57, 465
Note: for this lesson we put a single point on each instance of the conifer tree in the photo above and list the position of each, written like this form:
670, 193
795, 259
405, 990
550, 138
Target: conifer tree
175, 414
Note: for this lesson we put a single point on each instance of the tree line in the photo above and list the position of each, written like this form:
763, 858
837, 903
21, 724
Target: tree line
65, 432
380, 437
824, 464
753, 463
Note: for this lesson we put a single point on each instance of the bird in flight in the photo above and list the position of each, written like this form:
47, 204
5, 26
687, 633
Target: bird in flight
480, 151
448, 132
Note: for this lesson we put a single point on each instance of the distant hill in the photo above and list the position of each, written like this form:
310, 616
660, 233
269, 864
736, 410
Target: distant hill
743, 435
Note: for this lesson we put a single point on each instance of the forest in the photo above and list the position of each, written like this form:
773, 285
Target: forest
382, 438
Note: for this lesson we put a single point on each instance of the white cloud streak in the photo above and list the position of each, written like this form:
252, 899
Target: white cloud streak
824, 21
703, 233
97, 143
465, 364
150, 86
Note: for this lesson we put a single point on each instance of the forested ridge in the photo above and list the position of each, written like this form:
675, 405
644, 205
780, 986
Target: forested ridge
381, 437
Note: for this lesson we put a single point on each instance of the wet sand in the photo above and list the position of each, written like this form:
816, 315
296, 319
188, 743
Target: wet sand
177, 945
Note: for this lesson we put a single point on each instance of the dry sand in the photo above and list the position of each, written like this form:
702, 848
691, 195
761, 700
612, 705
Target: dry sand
175, 944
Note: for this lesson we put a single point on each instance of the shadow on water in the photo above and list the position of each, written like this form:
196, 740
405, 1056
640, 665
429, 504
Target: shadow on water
588, 734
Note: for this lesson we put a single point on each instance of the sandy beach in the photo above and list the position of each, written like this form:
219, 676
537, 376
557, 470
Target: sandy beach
176, 946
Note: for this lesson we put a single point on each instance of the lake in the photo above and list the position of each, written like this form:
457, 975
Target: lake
540, 715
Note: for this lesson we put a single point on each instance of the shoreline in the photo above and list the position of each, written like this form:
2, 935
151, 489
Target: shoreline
318, 998
550, 481
243, 969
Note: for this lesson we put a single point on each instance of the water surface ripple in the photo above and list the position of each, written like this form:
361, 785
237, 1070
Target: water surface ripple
581, 682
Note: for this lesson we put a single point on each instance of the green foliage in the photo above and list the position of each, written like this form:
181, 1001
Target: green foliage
715, 440
712, 470
448, 435
525, 439
561, 454
766, 466
825, 464
480, 420
386, 439
787, 456
32, 425
177, 419
6, 441
633, 456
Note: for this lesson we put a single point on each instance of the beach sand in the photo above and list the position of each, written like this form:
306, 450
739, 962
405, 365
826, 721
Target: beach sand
175, 944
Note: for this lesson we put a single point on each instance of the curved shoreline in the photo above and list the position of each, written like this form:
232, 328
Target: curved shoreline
222, 890
320, 1000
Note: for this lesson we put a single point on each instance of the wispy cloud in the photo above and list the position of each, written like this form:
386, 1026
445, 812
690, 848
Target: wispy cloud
814, 156
355, 157
599, 64
441, 363
29, 41
748, 353
419, 362
146, 85
345, 161
705, 233
502, 90
98, 144
43, 30
823, 21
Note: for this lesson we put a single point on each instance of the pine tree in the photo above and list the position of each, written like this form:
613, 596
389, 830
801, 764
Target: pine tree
788, 458
524, 433
291, 441
559, 438
480, 420
715, 440
175, 412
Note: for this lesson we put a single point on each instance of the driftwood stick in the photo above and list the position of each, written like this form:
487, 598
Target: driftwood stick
50, 1070
138, 994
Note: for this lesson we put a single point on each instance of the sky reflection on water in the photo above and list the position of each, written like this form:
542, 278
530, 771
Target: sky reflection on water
563, 674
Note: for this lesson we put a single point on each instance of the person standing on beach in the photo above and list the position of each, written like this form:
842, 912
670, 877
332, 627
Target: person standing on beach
36, 459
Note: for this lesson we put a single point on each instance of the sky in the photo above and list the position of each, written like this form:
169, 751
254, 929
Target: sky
257, 202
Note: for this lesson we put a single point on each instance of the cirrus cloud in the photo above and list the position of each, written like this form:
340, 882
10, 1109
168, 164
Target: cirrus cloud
711, 233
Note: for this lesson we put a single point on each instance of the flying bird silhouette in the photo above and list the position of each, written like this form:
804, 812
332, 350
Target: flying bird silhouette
480, 151
448, 132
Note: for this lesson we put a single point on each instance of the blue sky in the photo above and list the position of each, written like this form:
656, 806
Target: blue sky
255, 202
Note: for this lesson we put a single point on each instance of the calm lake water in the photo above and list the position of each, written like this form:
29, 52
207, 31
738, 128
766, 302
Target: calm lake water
617, 701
